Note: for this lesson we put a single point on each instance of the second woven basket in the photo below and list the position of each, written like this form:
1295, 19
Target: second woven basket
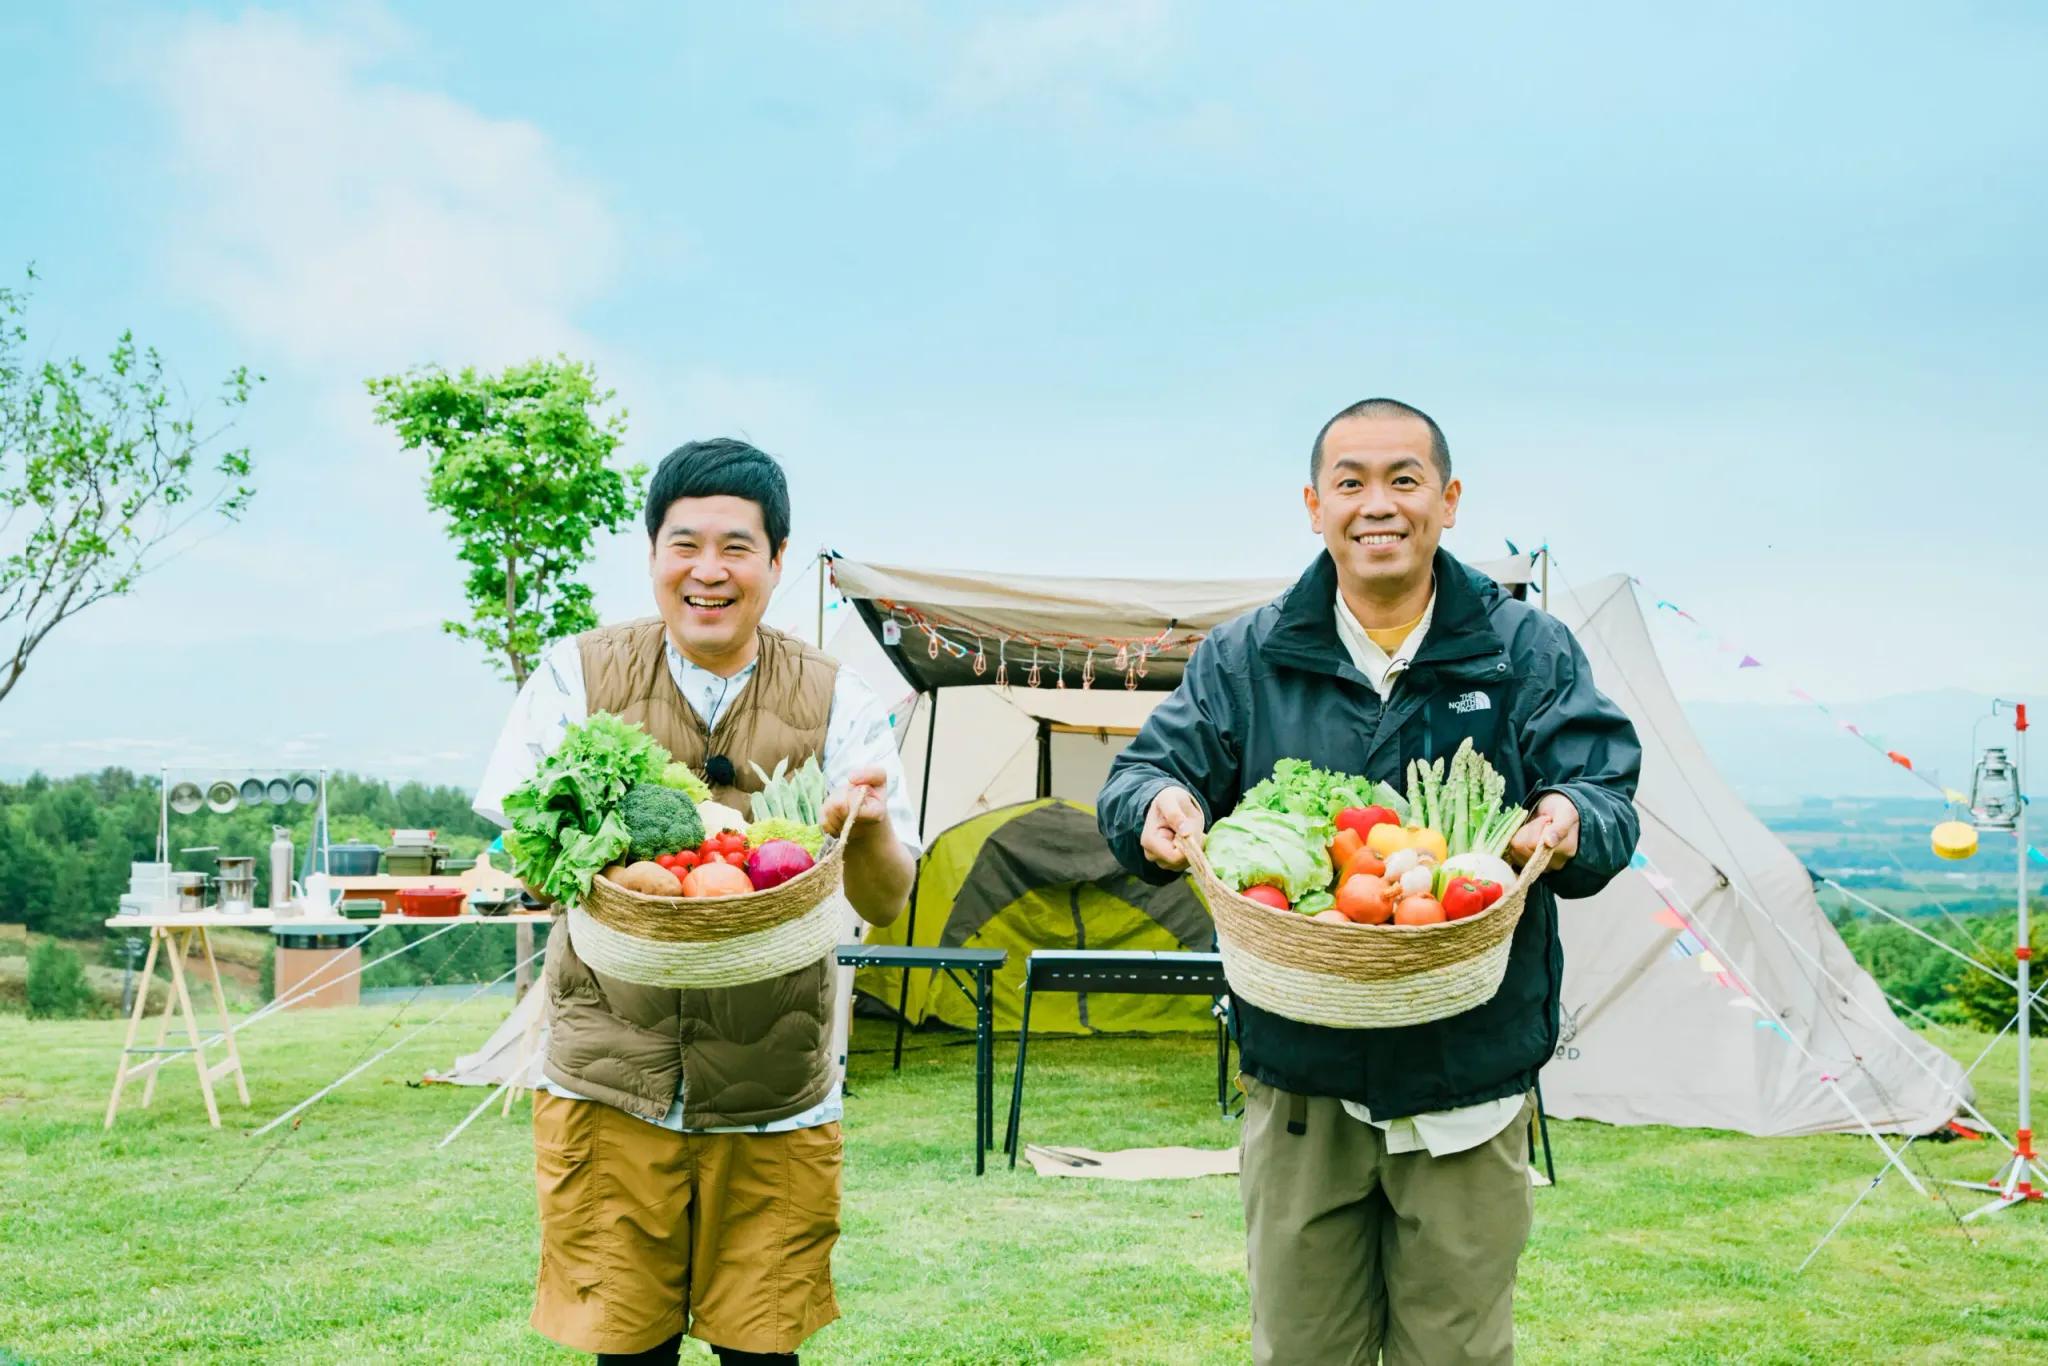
1360, 976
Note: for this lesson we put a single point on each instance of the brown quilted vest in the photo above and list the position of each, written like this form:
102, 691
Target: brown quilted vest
743, 1055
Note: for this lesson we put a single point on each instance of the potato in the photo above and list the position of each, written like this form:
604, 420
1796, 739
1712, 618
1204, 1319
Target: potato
649, 879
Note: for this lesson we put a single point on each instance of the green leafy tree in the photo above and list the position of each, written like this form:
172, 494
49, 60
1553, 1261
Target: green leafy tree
1989, 1003
57, 989
101, 480
521, 464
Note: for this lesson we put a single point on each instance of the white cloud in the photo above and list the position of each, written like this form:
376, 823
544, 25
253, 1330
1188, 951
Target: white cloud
1063, 56
354, 221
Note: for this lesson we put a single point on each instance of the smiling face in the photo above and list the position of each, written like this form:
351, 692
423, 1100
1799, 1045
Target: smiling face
713, 572
1380, 504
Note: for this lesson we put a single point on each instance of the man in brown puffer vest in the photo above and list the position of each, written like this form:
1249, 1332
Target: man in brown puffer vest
686, 1146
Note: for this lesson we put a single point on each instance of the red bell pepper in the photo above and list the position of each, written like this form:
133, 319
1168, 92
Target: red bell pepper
1463, 896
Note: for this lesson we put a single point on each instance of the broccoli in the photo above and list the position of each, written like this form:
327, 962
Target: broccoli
659, 820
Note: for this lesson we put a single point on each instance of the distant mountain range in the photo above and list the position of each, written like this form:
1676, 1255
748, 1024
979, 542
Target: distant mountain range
1774, 753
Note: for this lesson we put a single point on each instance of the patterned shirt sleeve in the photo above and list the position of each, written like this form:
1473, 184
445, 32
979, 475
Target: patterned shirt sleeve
859, 735
550, 702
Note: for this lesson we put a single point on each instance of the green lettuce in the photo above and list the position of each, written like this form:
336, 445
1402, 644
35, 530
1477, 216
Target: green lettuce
1253, 845
565, 819
1299, 788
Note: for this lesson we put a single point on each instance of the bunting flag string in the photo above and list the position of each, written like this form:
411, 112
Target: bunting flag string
1132, 654
1871, 740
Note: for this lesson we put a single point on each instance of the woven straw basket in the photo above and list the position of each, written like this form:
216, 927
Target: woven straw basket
713, 941
1360, 976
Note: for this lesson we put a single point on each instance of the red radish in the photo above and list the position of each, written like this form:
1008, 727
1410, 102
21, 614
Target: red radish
1268, 895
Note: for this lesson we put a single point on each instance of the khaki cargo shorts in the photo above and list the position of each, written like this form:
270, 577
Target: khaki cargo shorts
646, 1233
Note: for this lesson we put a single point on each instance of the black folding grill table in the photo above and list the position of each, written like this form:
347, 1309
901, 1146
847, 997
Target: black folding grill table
1118, 972
981, 965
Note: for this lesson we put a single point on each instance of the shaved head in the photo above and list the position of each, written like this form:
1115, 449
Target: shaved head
1439, 449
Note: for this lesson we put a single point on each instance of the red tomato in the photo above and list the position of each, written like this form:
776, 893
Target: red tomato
1463, 897
736, 857
1268, 895
1364, 861
1364, 818
686, 860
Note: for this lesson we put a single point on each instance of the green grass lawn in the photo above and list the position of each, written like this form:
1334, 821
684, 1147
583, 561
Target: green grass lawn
356, 1241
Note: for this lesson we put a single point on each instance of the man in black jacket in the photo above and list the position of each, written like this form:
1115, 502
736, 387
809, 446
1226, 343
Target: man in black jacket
1385, 1172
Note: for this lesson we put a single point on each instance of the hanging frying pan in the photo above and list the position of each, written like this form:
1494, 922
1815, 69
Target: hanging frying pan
304, 791
186, 798
277, 792
221, 797
251, 791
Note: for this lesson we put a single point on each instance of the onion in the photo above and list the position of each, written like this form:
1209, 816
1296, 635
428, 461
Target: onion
776, 862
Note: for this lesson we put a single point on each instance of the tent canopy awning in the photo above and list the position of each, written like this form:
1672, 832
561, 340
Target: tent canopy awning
955, 628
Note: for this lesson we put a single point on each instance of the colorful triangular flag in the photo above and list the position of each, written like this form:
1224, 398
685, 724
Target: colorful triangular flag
1668, 918
1709, 963
1750, 662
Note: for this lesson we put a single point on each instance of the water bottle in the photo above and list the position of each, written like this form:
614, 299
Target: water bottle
280, 867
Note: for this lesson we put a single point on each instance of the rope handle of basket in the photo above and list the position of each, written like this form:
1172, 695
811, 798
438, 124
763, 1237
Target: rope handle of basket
856, 793
1538, 864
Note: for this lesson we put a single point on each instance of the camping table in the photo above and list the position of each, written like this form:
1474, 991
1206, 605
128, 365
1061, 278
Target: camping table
177, 935
1113, 972
983, 964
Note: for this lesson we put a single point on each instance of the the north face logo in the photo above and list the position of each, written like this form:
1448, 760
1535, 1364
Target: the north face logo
1472, 701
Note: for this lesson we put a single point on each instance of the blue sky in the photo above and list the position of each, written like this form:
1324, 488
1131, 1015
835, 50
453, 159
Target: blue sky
1746, 303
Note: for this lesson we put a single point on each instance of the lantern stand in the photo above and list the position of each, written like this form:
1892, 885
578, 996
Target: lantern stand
1998, 802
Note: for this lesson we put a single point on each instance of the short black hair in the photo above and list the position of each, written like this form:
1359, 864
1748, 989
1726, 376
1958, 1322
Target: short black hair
721, 467
1439, 449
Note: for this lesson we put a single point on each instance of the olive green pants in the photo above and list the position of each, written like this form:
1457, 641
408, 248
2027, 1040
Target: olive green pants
1355, 1252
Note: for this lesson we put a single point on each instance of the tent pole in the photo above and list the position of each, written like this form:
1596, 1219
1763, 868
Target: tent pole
1044, 758
924, 801
821, 599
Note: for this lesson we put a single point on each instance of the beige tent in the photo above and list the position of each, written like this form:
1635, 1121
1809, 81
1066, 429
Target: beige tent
1652, 1034
1649, 1036
1002, 745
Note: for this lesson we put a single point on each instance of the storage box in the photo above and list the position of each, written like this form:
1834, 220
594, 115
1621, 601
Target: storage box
414, 860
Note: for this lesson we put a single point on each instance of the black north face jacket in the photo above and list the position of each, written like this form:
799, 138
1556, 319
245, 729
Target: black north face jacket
1277, 683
